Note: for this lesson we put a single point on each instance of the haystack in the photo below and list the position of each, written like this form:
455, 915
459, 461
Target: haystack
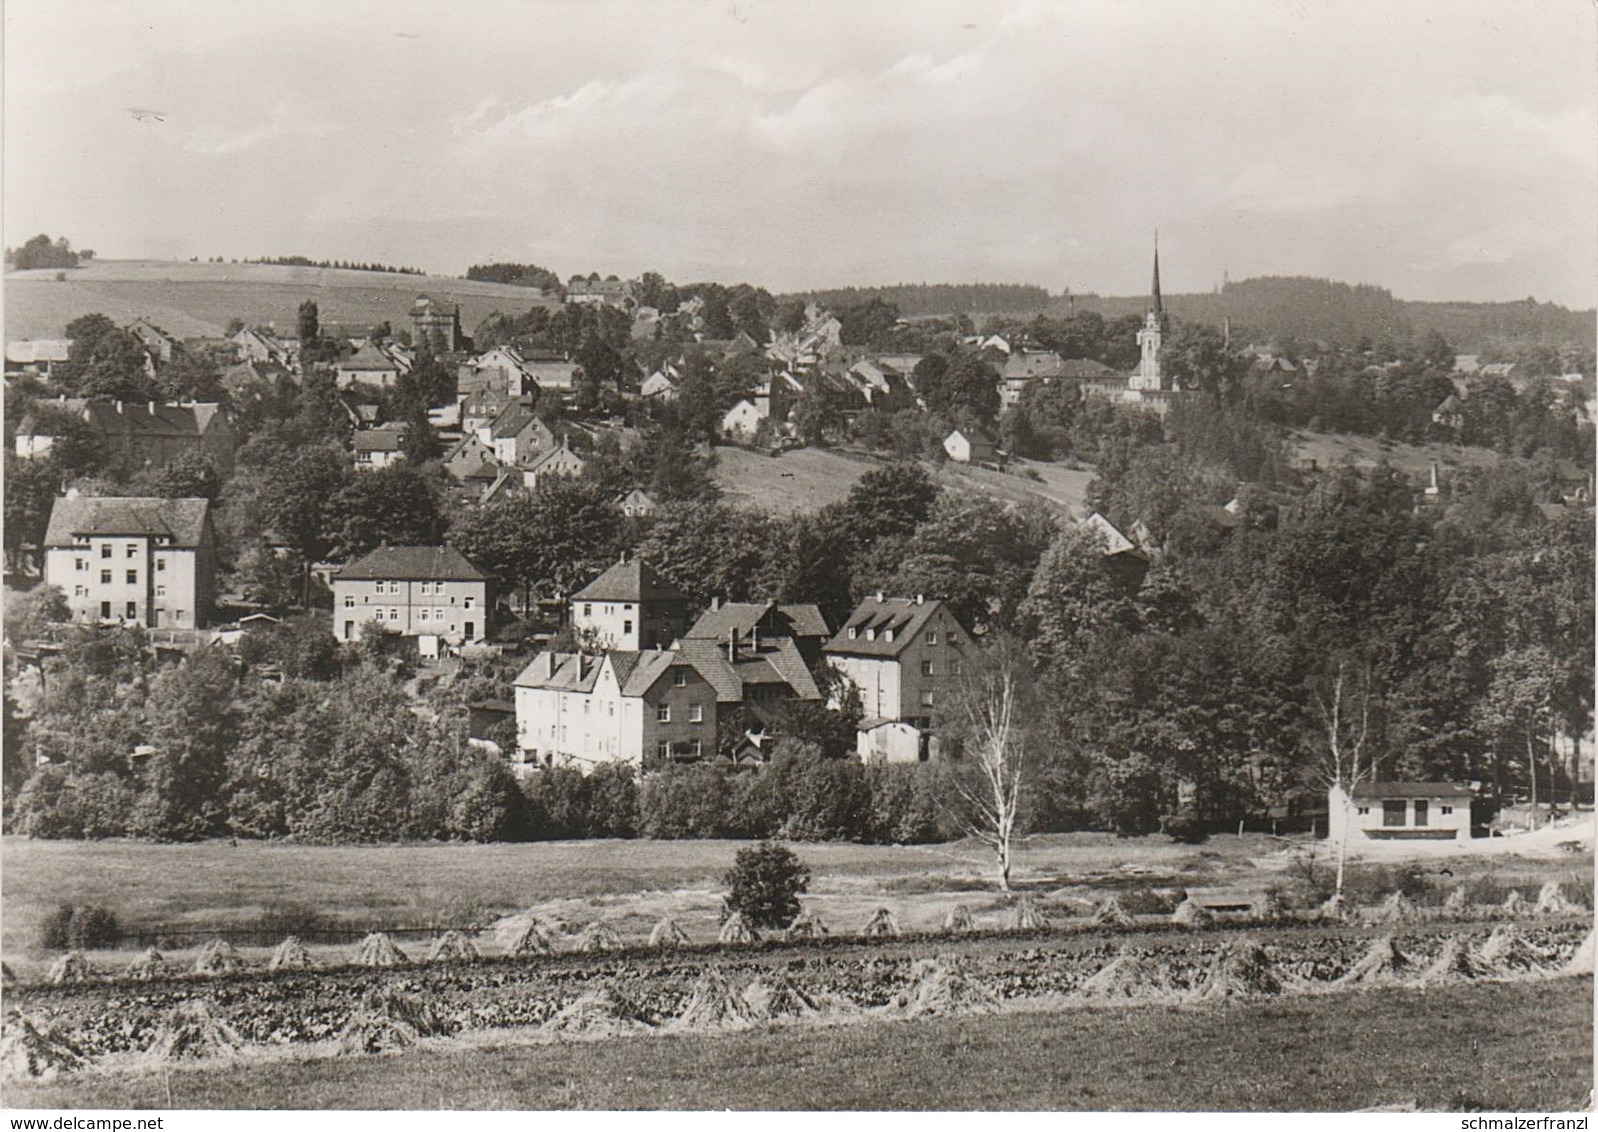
1458, 902
30, 1049
1383, 964
736, 929
1580, 961
1129, 975
150, 965
1191, 915
807, 925
533, 940
943, 986
1515, 905
774, 995
1027, 916
1455, 962
882, 925
715, 1005
378, 950
667, 935
1507, 953
602, 1011
598, 938
1396, 909
1552, 901
71, 968
1240, 970
291, 955
196, 1030
1110, 913
958, 920
387, 1019
1335, 908
217, 957
453, 947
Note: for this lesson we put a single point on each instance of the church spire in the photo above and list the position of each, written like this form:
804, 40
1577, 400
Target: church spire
1158, 306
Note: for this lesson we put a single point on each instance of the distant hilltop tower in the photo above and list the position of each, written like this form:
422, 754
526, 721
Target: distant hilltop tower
1147, 377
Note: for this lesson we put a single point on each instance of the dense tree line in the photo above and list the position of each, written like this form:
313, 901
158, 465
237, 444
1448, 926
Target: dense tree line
939, 298
43, 252
342, 264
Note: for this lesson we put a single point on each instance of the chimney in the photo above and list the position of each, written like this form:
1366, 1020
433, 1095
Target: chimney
119, 408
732, 645
151, 405
715, 604
921, 599
881, 596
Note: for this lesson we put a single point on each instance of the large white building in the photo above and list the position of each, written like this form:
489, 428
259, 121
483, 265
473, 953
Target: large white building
417, 591
144, 561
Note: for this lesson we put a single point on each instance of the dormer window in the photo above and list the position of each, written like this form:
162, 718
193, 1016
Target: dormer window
871, 634
853, 632
887, 634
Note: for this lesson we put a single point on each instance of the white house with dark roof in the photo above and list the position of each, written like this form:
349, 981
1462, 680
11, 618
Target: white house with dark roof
416, 591
630, 606
377, 448
637, 504
1399, 811
749, 623
557, 463
904, 655
367, 366
970, 447
145, 561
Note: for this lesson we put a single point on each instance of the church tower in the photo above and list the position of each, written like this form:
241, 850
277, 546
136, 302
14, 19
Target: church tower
1148, 377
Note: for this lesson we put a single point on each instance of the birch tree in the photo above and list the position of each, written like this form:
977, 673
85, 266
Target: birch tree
1344, 708
989, 720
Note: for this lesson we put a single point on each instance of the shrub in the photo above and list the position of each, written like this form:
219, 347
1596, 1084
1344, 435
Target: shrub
558, 800
1185, 828
764, 884
683, 802
79, 927
613, 802
814, 798
904, 806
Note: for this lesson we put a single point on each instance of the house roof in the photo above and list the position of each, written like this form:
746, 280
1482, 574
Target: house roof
514, 419
631, 580
413, 563
370, 358
1045, 363
555, 453
1410, 790
1085, 369
974, 438
182, 520
741, 617
891, 622
27, 350
378, 440
149, 418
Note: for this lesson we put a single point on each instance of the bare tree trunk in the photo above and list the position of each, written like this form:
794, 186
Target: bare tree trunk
1531, 766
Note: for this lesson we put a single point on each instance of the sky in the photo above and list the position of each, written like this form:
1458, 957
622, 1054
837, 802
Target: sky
1445, 149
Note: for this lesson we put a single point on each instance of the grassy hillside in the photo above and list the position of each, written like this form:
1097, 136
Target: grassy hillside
198, 299
812, 477
1329, 450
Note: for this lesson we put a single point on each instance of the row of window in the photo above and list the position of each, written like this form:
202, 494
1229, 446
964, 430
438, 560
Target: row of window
438, 614
588, 609
928, 670
83, 591
105, 575
888, 634
1396, 812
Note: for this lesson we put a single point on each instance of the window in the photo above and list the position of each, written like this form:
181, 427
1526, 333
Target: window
160, 591
932, 636
105, 609
466, 602
585, 707
105, 550
663, 750
887, 634
926, 668
679, 679
133, 577
1364, 809
1393, 812
426, 615
1446, 810
628, 608
871, 634
80, 564
663, 713
105, 577
588, 610
926, 699
133, 550
160, 565
699, 748
349, 601
626, 627
852, 632
696, 713
1422, 811
954, 667
80, 591
133, 609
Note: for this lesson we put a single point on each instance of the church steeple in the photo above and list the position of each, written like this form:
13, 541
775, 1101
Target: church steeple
1158, 305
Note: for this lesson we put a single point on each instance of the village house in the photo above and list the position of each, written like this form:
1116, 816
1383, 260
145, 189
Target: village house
380, 447
660, 386
517, 436
637, 504
1450, 413
437, 323
144, 561
612, 292
367, 366
904, 656
469, 456
155, 342
36, 357
256, 345
558, 462
630, 606
970, 447
750, 624
428, 592
742, 422
502, 369
1399, 811
1022, 368
551, 372
134, 435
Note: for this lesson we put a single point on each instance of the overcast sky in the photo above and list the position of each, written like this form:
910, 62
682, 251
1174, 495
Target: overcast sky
1441, 148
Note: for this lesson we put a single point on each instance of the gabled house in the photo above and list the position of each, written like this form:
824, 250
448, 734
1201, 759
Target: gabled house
637, 504
1450, 413
143, 561
742, 422
378, 447
1022, 368
503, 369
479, 409
36, 357
468, 457
155, 342
970, 448
659, 386
517, 436
149, 434
630, 606
1399, 811
749, 623
416, 591
559, 461
262, 346
551, 372
904, 656
367, 366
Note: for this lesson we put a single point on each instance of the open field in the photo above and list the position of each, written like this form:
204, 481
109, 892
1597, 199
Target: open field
1500, 1047
1331, 449
808, 478
194, 300
630, 884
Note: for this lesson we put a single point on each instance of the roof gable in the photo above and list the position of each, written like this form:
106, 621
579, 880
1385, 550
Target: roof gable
419, 563
181, 520
631, 580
